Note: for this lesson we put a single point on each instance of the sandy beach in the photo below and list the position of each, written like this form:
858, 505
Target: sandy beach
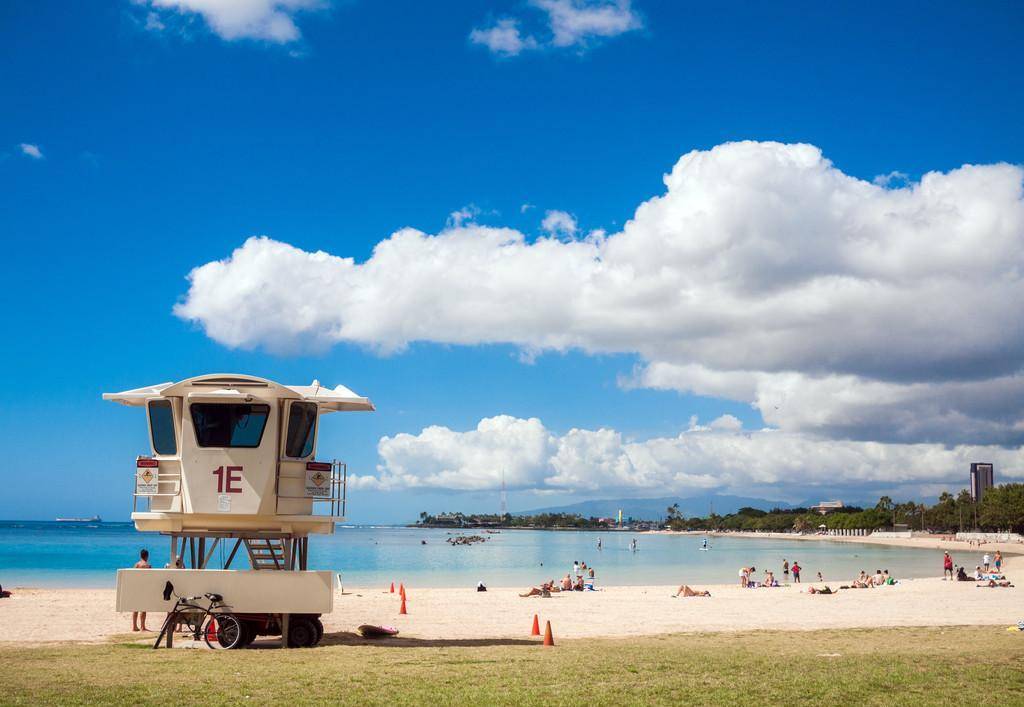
928, 543
87, 615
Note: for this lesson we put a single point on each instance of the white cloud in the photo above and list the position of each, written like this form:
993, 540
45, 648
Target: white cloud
762, 274
893, 178
722, 457
567, 23
268, 20
442, 458
466, 215
726, 423
30, 150
559, 223
503, 38
574, 22
855, 407
154, 23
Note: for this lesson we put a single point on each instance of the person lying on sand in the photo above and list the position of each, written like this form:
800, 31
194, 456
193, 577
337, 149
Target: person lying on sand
543, 590
686, 591
823, 590
994, 583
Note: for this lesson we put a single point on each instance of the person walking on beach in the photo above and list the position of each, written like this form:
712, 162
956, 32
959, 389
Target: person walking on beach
947, 566
139, 617
796, 572
785, 570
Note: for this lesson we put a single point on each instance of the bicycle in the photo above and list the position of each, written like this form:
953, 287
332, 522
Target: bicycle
218, 627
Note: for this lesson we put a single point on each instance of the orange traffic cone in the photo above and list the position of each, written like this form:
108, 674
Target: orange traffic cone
392, 587
401, 590
535, 631
402, 610
549, 640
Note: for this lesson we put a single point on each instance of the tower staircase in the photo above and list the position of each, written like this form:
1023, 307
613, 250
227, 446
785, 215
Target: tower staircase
268, 553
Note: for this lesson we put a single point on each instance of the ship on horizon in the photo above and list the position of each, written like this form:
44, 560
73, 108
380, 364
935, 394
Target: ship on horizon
94, 519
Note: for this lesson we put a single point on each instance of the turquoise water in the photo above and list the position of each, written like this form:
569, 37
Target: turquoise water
41, 554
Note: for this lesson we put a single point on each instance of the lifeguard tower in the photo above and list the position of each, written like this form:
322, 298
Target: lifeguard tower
233, 476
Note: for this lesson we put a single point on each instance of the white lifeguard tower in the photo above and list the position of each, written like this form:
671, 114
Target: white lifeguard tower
233, 467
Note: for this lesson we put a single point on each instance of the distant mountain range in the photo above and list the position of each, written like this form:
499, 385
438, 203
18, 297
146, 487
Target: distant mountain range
654, 508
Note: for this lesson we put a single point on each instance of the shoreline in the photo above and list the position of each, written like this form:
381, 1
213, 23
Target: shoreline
916, 543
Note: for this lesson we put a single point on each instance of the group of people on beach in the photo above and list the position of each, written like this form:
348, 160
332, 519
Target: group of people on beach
747, 580
989, 572
867, 581
139, 617
579, 579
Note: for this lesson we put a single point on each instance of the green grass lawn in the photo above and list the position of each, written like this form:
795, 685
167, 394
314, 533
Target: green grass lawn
973, 665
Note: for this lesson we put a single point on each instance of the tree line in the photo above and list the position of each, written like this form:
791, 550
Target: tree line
1001, 509
540, 520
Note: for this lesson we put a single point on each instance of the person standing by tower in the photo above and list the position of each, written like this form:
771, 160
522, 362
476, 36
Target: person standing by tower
139, 617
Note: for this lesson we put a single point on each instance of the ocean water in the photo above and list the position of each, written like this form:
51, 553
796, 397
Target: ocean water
47, 554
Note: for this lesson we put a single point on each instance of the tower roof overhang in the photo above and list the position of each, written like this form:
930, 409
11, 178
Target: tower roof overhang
231, 385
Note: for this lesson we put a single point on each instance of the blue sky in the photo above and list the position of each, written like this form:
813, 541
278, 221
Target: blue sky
159, 150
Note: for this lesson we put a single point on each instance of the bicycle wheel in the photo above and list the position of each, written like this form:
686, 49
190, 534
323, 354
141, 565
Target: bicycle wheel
223, 631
